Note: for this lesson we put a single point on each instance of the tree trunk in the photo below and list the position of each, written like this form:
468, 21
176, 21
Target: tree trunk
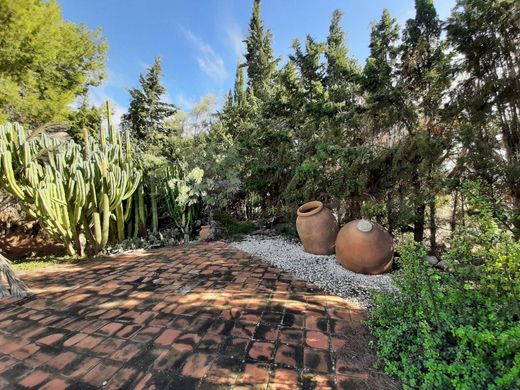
433, 226
418, 228
515, 190
355, 210
453, 222
389, 213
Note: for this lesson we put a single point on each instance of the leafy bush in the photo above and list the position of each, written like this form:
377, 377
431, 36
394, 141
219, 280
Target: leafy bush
457, 329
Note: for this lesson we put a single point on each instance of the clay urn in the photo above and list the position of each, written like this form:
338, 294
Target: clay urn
206, 233
317, 228
364, 247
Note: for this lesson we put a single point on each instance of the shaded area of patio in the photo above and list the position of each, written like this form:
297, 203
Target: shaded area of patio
201, 316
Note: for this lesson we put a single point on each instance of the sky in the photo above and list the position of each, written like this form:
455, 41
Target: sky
200, 41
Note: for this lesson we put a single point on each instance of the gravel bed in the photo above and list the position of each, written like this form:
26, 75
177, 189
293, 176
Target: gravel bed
321, 270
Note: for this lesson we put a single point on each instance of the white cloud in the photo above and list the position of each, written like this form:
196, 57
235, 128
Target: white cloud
209, 61
236, 39
184, 102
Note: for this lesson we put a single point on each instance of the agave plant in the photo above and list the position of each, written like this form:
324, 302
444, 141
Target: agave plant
17, 288
184, 196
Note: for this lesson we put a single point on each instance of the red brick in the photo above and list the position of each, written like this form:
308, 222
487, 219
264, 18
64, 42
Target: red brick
74, 339
100, 373
109, 329
288, 355
317, 340
126, 352
171, 356
196, 365
316, 360
24, 352
13, 346
261, 351
6, 362
122, 379
282, 378
108, 346
167, 337
254, 374
51, 339
84, 367
55, 384
62, 360
89, 342
34, 379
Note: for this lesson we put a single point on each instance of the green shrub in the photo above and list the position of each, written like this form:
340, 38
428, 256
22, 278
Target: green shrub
456, 329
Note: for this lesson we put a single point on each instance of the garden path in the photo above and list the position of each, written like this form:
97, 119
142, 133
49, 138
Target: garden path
200, 316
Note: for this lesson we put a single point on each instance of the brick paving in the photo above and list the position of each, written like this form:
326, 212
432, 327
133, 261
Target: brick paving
202, 316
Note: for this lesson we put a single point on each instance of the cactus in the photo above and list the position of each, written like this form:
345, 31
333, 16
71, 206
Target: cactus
183, 197
71, 191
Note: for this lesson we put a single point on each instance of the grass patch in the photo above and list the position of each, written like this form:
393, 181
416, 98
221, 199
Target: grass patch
37, 263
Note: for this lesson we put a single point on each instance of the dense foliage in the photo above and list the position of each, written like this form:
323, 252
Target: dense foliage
45, 62
389, 140
457, 329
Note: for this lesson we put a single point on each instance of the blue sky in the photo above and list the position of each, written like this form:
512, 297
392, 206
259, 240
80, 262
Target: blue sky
200, 40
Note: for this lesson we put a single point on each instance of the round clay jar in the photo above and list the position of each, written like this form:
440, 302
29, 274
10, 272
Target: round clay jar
317, 228
364, 247
206, 233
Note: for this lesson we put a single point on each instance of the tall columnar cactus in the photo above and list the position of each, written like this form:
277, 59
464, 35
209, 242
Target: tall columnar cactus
73, 192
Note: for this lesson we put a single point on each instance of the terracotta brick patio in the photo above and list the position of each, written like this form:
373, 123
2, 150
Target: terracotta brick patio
202, 316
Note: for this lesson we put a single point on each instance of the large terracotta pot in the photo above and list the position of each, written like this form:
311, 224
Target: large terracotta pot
364, 247
317, 228
206, 233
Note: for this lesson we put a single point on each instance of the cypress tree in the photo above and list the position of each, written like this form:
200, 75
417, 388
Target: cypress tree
261, 65
424, 81
382, 99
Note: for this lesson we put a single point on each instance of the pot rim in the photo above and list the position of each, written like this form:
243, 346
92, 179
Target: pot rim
315, 205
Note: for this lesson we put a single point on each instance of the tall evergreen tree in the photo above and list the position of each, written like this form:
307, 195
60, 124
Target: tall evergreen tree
486, 34
261, 64
148, 114
424, 81
343, 73
382, 99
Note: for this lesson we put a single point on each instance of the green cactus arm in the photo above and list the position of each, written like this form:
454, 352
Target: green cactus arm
105, 204
9, 174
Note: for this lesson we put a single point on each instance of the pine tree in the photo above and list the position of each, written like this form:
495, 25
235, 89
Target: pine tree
46, 62
261, 65
148, 113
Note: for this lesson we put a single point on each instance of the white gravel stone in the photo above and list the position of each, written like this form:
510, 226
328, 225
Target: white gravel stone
321, 270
